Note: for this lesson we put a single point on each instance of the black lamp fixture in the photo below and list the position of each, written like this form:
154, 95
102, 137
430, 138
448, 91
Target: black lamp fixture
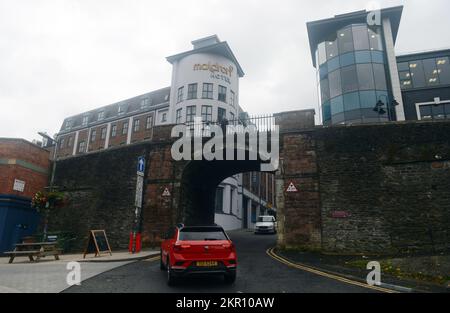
379, 108
395, 102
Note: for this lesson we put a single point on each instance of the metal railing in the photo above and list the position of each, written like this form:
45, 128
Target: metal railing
261, 123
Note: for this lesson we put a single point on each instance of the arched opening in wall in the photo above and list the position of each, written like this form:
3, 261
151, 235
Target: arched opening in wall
228, 193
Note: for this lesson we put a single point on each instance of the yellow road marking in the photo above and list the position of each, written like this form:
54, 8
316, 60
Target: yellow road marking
305, 268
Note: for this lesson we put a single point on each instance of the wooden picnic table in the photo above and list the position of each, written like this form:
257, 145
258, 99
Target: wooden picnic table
35, 249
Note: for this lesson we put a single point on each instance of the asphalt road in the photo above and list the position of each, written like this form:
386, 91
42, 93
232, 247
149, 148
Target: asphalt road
257, 273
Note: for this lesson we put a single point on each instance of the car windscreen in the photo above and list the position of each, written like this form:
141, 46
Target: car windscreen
265, 219
202, 233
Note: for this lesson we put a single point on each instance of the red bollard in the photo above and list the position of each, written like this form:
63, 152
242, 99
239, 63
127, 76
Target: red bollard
138, 243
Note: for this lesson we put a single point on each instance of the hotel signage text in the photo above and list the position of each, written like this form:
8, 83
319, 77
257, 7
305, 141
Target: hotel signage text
217, 71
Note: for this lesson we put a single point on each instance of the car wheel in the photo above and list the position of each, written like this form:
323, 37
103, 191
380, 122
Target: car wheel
161, 263
230, 278
170, 277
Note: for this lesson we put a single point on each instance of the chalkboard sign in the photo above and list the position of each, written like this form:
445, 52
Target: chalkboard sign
97, 243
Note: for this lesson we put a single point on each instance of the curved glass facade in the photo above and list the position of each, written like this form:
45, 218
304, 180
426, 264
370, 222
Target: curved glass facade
352, 76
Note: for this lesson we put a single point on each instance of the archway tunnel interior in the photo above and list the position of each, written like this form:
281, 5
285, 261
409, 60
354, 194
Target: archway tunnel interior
199, 182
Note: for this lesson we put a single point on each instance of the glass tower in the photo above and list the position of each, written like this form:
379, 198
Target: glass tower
352, 74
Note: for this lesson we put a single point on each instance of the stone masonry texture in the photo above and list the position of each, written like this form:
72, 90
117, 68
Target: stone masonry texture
365, 189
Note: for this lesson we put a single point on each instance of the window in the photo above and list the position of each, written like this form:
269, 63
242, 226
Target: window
61, 143
82, 147
232, 117
333, 64
93, 135
219, 200
68, 124
365, 76
164, 117
443, 67
125, 128
321, 53
417, 74
178, 116
436, 111
377, 57
337, 105
149, 122
363, 57
101, 115
345, 40
349, 79
431, 72
367, 99
331, 47
190, 113
221, 114
103, 133
232, 98
324, 90
360, 38
121, 109
207, 92
114, 131
351, 102
136, 125
192, 91
375, 39
85, 120
206, 113
347, 59
180, 94
334, 80
145, 103
380, 77
326, 111
70, 141
222, 94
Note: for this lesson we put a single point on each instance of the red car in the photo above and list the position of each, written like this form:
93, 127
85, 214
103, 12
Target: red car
190, 250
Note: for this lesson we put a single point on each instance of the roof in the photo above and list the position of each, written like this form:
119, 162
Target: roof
423, 55
219, 48
133, 105
319, 30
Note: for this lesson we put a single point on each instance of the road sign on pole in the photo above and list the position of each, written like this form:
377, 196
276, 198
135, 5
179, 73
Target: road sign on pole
141, 165
139, 191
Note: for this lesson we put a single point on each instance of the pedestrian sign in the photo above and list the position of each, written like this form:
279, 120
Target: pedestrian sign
141, 165
292, 188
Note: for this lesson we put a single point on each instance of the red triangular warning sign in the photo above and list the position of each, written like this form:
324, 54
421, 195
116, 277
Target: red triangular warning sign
292, 188
166, 193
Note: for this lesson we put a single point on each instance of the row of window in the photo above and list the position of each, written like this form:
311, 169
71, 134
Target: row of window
124, 131
351, 38
353, 78
357, 117
144, 103
358, 57
435, 112
207, 93
424, 73
354, 101
206, 114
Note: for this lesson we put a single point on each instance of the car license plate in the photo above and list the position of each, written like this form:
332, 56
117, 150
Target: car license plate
207, 263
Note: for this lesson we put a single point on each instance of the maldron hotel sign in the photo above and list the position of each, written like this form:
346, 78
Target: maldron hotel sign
217, 71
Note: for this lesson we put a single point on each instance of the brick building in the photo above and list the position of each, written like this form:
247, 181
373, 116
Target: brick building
24, 169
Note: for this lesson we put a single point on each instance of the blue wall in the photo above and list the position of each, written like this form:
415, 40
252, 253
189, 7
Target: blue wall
17, 220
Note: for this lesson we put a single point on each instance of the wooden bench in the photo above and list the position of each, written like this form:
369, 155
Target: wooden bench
38, 250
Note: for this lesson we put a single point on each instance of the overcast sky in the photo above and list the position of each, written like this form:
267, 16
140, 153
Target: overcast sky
60, 58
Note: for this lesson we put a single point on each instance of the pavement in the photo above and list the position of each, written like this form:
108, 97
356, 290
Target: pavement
49, 276
257, 272
339, 265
